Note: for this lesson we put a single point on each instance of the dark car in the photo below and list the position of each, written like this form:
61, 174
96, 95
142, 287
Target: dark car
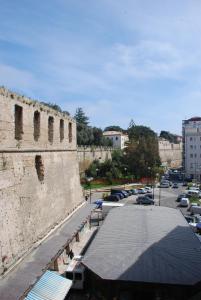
129, 192
144, 200
175, 186
112, 198
190, 219
121, 196
114, 191
151, 196
185, 184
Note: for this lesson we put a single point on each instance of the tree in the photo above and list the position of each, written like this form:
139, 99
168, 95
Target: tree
172, 138
97, 136
80, 117
142, 155
87, 135
114, 128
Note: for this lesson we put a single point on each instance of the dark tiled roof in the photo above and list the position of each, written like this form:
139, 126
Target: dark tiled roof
195, 119
33, 266
146, 244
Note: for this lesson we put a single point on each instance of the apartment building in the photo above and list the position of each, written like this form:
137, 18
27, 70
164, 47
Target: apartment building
191, 131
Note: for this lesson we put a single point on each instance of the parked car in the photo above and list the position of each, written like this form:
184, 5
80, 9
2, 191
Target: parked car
151, 196
144, 200
134, 191
164, 184
195, 209
114, 191
193, 219
121, 196
148, 189
129, 192
141, 191
181, 196
112, 198
190, 219
193, 193
184, 202
185, 184
175, 186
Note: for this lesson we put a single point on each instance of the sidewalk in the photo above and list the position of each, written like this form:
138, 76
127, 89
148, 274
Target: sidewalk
25, 275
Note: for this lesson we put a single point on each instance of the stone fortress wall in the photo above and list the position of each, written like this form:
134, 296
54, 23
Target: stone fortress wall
87, 154
170, 154
39, 173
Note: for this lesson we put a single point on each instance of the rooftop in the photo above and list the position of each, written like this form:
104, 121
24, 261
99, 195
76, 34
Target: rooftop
146, 244
113, 133
194, 119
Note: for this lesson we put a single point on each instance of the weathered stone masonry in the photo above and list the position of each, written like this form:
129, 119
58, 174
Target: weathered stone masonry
39, 175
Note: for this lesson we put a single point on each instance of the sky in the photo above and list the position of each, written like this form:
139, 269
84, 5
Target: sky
118, 60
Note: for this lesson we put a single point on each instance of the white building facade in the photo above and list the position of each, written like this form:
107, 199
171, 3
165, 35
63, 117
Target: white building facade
191, 130
118, 138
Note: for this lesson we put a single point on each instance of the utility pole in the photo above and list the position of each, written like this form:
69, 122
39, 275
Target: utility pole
159, 201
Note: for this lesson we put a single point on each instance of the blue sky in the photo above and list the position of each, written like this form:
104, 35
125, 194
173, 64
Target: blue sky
117, 60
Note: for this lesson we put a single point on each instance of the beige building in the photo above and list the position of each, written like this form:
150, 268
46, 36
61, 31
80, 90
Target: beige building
39, 174
118, 138
170, 153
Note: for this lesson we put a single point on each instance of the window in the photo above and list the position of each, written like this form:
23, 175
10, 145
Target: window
191, 155
195, 155
39, 167
191, 166
116, 138
18, 122
36, 125
191, 146
70, 132
61, 129
191, 138
50, 129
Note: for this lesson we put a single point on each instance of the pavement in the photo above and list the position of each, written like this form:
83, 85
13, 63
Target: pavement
24, 276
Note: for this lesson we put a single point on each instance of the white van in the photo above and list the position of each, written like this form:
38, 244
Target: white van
76, 272
193, 193
195, 209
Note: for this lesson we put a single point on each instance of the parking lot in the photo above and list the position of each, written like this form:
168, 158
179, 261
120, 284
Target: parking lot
162, 196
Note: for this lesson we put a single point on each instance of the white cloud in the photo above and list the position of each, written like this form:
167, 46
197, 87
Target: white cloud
148, 60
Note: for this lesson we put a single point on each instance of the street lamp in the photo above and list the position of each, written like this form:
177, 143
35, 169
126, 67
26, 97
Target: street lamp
125, 169
89, 179
148, 169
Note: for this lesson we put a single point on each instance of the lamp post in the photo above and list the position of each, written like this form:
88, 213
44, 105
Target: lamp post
89, 179
125, 169
159, 201
148, 172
